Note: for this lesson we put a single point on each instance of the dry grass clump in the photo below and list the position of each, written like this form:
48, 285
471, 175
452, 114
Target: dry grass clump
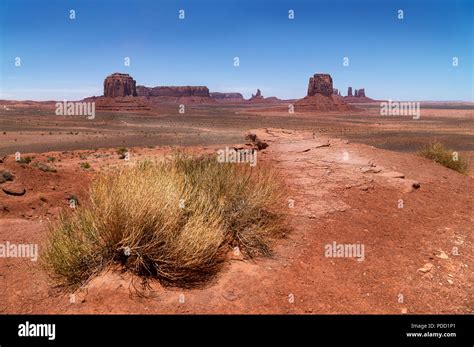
173, 220
437, 152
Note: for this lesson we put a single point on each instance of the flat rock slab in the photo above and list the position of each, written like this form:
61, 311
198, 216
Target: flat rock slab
392, 174
14, 189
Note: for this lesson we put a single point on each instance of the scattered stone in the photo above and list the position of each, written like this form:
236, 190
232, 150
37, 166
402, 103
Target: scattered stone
406, 185
14, 189
5, 176
230, 295
370, 170
426, 268
45, 168
323, 145
256, 142
442, 255
392, 174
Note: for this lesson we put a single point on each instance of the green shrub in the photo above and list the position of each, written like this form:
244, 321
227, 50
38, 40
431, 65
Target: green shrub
437, 152
85, 165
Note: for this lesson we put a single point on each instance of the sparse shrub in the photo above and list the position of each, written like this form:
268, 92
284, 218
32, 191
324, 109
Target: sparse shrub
51, 159
122, 152
25, 160
85, 165
44, 167
437, 152
172, 220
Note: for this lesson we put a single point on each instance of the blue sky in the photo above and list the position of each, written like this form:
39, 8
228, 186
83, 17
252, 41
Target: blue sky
391, 58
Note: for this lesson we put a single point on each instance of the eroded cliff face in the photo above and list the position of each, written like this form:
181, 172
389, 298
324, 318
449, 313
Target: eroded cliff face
322, 96
179, 91
320, 84
119, 85
226, 96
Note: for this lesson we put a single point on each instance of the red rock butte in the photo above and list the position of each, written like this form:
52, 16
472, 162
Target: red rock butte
119, 85
320, 84
320, 96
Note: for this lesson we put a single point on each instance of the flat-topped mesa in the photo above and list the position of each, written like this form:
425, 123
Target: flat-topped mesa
119, 85
179, 91
361, 93
320, 84
349, 91
218, 95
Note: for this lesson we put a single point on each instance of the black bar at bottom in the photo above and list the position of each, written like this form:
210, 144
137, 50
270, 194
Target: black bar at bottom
135, 330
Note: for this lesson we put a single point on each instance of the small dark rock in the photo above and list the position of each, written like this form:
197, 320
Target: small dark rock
14, 190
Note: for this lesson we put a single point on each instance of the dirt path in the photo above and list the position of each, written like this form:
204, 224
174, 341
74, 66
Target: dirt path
338, 192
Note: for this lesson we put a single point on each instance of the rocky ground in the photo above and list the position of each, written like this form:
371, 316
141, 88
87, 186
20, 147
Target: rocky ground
413, 217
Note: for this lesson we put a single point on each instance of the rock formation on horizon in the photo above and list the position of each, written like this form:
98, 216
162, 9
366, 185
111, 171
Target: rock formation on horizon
178, 91
119, 85
226, 96
358, 93
358, 97
361, 93
322, 96
257, 97
320, 84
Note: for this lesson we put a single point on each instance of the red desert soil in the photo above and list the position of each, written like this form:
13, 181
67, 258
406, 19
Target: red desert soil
342, 192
